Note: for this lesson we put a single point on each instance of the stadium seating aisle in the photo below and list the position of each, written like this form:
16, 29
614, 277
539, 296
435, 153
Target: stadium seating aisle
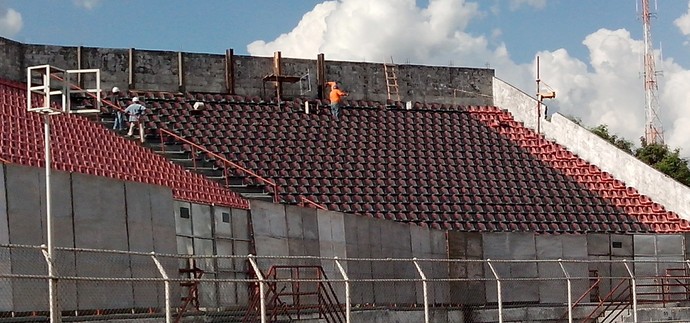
591, 177
438, 166
79, 145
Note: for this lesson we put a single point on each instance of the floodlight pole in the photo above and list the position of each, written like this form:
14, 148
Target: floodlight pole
45, 90
52, 285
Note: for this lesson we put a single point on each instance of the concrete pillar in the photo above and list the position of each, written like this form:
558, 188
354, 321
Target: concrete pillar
320, 75
131, 81
80, 59
230, 71
180, 72
278, 71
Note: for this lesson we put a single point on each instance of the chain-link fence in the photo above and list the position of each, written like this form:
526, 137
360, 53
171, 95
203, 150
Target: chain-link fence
99, 284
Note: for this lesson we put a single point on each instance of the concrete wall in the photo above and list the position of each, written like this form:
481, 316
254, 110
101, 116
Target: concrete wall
281, 230
12, 60
160, 70
520, 104
88, 212
211, 230
590, 147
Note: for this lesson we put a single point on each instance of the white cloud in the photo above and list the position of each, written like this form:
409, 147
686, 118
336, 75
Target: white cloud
10, 22
539, 4
607, 88
87, 4
683, 22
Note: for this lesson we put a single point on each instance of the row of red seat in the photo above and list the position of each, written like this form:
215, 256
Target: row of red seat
584, 173
79, 145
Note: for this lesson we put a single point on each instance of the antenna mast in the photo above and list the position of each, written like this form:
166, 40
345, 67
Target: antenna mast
653, 132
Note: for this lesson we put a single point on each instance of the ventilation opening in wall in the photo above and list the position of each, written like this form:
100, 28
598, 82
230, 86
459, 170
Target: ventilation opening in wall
226, 217
184, 213
616, 244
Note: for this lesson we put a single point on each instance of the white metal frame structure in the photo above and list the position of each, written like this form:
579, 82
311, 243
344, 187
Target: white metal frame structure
48, 82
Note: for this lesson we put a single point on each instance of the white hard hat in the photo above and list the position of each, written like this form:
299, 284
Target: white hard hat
198, 105
135, 99
116, 89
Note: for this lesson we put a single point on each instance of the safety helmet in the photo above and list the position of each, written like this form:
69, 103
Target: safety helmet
135, 99
116, 89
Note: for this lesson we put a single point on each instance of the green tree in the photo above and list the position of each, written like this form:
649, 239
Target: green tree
666, 161
603, 132
651, 154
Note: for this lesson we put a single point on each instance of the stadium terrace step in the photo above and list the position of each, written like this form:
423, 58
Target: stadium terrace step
82, 145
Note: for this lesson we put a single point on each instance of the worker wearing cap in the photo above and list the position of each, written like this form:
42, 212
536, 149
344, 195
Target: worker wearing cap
115, 99
336, 97
135, 111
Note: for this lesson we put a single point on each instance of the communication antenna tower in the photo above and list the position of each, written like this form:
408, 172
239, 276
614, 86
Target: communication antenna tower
653, 129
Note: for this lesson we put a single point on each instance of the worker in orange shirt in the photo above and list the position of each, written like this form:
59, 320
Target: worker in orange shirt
336, 97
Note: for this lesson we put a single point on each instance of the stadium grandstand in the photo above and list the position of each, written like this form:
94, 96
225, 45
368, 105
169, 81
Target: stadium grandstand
248, 202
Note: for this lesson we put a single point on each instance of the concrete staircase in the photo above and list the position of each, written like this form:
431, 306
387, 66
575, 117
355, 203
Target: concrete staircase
199, 164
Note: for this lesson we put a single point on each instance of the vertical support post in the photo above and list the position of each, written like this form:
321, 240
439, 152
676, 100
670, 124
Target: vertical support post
320, 75
66, 95
262, 296
99, 102
278, 71
131, 85
424, 288
80, 79
230, 71
55, 314
166, 282
634, 290
538, 99
570, 294
687, 292
498, 290
348, 299
180, 72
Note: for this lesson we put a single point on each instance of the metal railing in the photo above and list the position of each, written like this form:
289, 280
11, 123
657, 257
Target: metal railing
140, 284
303, 201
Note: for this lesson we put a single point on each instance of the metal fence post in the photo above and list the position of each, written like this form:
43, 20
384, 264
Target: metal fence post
424, 288
53, 302
498, 289
634, 290
262, 296
166, 283
570, 294
348, 304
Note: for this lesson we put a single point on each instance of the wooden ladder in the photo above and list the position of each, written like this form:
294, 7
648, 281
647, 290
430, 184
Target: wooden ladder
391, 80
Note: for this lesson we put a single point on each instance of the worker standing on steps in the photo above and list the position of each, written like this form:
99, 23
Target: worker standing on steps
336, 97
116, 99
135, 111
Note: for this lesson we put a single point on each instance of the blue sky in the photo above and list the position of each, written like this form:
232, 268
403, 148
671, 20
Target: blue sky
590, 49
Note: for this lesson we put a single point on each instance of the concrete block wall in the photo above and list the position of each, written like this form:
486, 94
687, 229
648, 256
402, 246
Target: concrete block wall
160, 71
590, 147
12, 60
204, 72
